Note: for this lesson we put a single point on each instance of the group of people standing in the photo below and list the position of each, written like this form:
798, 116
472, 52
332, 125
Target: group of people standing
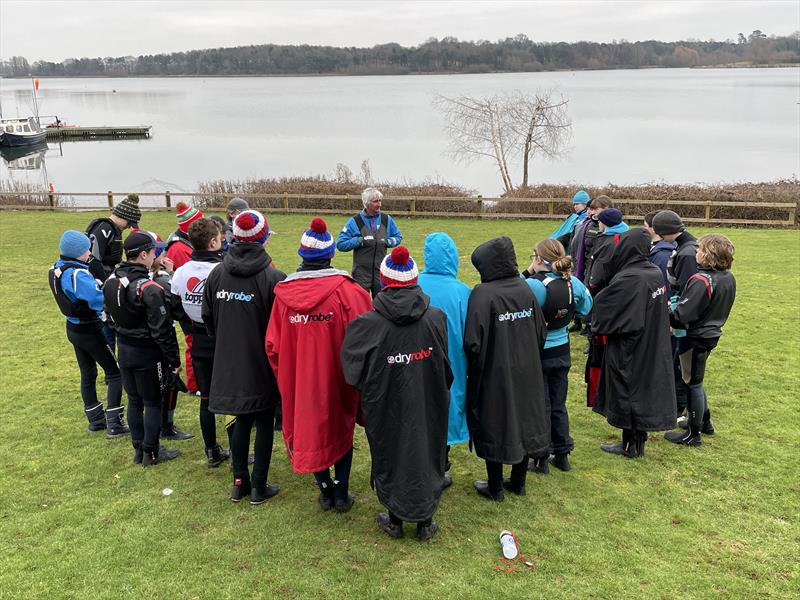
419, 359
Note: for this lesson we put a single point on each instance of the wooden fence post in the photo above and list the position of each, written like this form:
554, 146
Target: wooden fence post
285, 201
168, 198
551, 207
225, 199
708, 211
793, 214
347, 202
413, 207
480, 206
110, 199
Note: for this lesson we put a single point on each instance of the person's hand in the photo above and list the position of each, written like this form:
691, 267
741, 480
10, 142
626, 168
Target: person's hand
531, 268
176, 370
368, 241
167, 264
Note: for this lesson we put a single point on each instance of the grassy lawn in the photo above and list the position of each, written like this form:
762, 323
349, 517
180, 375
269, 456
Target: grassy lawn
79, 520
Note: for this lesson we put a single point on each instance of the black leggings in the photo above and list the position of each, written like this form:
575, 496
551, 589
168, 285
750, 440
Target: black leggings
139, 368
203, 368
555, 370
693, 371
342, 467
494, 471
91, 350
264, 422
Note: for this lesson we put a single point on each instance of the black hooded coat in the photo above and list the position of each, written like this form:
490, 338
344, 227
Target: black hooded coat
504, 335
237, 302
637, 387
396, 356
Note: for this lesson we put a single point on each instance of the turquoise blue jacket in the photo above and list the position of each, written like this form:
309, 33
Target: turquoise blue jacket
568, 226
583, 304
438, 281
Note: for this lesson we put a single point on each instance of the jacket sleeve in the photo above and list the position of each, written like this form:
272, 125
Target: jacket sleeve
355, 351
207, 309
86, 289
616, 312
583, 299
349, 238
692, 304
684, 266
393, 235
273, 339
101, 237
601, 259
660, 259
538, 289
160, 324
473, 330
565, 228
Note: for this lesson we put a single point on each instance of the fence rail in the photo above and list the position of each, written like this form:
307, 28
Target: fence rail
698, 212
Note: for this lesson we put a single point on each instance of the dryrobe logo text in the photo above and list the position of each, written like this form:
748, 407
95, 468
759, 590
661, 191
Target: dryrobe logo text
660, 291
300, 319
239, 296
513, 316
407, 359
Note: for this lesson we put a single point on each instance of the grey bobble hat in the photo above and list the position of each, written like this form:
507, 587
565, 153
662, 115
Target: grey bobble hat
129, 210
238, 204
667, 222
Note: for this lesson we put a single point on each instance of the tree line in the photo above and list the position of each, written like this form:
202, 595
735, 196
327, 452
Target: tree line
447, 55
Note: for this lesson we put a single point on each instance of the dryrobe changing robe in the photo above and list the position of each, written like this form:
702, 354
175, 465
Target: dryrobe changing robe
309, 317
505, 332
450, 296
396, 356
637, 389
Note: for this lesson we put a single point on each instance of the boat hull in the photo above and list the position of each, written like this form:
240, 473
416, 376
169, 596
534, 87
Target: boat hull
20, 139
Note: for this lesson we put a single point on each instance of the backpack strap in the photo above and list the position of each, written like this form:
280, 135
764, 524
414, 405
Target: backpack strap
359, 221
385, 221
706, 281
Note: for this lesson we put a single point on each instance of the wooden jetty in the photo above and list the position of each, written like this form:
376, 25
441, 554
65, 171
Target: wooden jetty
61, 133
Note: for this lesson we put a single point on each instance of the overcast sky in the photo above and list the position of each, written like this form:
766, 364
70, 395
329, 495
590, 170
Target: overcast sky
58, 30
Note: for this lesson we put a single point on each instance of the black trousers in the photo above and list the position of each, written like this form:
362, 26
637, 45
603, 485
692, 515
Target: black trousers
264, 422
555, 369
139, 368
681, 387
693, 371
91, 350
203, 369
494, 472
342, 471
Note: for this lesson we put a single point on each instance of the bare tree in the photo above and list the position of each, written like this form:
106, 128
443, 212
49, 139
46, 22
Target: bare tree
506, 128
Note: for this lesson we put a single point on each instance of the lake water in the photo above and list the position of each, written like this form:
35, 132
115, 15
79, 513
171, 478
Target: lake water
672, 125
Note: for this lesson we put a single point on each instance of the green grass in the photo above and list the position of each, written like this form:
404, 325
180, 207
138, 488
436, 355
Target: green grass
79, 520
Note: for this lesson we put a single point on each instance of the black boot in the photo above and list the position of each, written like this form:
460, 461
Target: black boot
216, 456
343, 501
447, 481
263, 492
97, 418
641, 440
170, 432
482, 487
509, 486
561, 462
539, 465
326, 499
138, 453
241, 488
628, 447
156, 457
389, 528
684, 438
426, 532
115, 423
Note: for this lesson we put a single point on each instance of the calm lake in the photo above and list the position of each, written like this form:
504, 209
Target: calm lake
672, 125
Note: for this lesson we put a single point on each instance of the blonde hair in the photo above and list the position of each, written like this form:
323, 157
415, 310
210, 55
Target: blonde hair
716, 251
552, 252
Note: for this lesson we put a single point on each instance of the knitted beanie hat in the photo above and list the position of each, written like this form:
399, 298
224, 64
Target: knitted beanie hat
73, 243
129, 210
317, 242
250, 226
186, 215
667, 222
399, 269
581, 197
610, 216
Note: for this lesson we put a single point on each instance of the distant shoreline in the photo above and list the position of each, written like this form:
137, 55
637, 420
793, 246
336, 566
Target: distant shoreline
378, 74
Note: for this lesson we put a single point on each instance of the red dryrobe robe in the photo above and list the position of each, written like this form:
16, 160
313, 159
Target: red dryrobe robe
309, 317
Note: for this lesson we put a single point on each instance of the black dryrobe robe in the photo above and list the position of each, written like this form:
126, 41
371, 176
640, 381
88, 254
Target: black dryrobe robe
637, 388
396, 356
504, 334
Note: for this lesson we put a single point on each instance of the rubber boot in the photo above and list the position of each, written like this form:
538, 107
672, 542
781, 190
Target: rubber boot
216, 456
697, 409
97, 418
343, 501
326, 499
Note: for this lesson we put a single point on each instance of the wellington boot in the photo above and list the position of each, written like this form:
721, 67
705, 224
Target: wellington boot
628, 450
482, 487
389, 528
509, 487
96, 417
426, 532
683, 438
241, 489
561, 462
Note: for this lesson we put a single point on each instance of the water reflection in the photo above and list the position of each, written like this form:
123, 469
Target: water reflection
24, 158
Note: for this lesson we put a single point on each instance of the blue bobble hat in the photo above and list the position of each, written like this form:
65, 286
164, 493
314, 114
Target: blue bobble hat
317, 242
73, 243
610, 217
581, 197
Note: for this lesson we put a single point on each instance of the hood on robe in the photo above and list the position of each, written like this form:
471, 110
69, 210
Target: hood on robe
402, 305
496, 259
245, 259
441, 255
633, 247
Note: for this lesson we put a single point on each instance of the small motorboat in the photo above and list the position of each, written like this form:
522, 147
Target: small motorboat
21, 132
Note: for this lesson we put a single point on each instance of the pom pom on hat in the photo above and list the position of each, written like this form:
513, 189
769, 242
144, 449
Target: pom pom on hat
250, 226
399, 269
129, 210
73, 243
317, 242
186, 215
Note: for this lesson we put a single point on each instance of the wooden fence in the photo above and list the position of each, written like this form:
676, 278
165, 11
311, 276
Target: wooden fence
708, 212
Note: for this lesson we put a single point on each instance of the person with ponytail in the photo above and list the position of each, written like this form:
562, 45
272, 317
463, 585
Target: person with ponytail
562, 297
